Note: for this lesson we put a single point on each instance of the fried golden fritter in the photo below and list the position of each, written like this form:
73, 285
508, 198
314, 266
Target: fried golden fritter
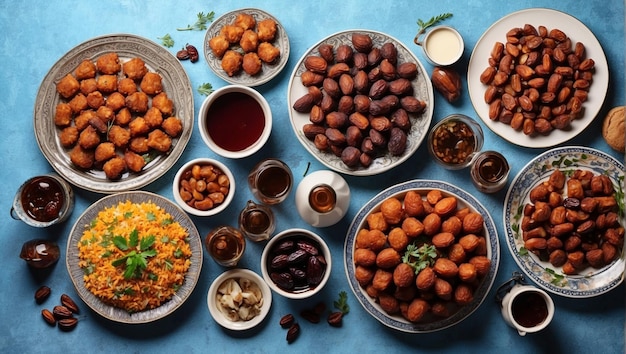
116, 101
151, 84
252, 65
85, 70
119, 136
95, 99
159, 141
89, 138
108, 64
114, 168
88, 86
135, 68
153, 117
219, 45
78, 103
267, 30
172, 126
249, 41
63, 114
137, 102
68, 136
134, 161
82, 158
245, 21
105, 114
82, 120
126, 86
139, 144
138, 126
106, 83
67, 86
123, 116
163, 103
268, 52
231, 62
232, 33
104, 151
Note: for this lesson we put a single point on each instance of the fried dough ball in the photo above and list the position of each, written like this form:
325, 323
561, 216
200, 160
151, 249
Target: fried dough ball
443, 289
252, 65
89, 138
452, 225
82, 158
137, 102
105, 114
372, 239
231, 62
135, 68
376, 221
151, 84
88, 86
391, 209
63, 114
249, 41
413, 204
482, 264
398, 239
440, 309
403, 275
126, 86
95, 99
139, 144
172, 126
363, 275
159, 141
85, 70
153, 117
134, 162
82, 120
417, 309
463, 294
469, 242
467, 272
266, 30
119, 136
245, 21
268, 52
68, 136
388, 258
123, 116
457, 254
114, 168
388, 303
382, 279
445, 268
412, 227
163, 103
425, 279
108, 63
116, 101
104, 151
138, 126
232, 33
219, 45
364, 257
473, 223
68, 86
106, 83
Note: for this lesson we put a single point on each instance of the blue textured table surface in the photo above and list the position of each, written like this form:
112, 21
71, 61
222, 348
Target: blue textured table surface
36, 34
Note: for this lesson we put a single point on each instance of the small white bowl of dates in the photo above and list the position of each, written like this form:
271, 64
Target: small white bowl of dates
296, 263
239, 299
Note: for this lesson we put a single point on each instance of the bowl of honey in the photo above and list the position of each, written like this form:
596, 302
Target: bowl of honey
235, 121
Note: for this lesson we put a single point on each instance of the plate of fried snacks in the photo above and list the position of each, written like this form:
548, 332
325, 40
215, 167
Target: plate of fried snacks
421, 256
246, 46
564, 221
360, 102
114, 113
134, 257
537, 77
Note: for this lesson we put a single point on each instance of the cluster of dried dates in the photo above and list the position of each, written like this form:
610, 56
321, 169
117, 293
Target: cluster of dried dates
359, 100
62, 314
188, 52
296, 264
538, 80
313, 315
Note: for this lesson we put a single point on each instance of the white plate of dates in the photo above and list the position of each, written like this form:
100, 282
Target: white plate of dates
392, 85
537, 110
563, 218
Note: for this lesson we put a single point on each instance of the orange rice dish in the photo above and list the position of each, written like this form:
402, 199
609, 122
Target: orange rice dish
135, 256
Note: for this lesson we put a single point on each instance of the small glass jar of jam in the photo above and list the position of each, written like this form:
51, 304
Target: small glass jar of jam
43, 201
455, 140
490, 171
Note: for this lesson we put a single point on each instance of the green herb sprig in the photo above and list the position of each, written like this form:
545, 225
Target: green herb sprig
419, 257
205, 89
167, 41
424, 25
201, 22
136, 261
341, 304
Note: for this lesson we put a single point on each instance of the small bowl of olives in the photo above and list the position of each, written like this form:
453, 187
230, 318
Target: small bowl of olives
296, 263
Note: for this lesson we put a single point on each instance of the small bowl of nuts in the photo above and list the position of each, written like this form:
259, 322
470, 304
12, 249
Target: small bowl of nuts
203, 187
296, 263
455, 140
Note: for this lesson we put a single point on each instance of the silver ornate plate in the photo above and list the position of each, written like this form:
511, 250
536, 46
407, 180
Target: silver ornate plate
578, 32
591, 282
116, 314
269, 71
422, 88
175, 83
421, 186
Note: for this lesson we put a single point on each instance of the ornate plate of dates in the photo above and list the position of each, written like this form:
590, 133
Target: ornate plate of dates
360, 102
537, 77
564, 221
421, 256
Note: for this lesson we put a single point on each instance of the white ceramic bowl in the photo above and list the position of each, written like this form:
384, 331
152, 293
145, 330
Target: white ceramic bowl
295, 234
237, 127
198, 212
240, 325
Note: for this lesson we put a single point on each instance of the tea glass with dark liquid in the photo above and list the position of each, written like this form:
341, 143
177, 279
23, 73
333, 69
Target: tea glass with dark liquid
256, 221
226, 245
270, 181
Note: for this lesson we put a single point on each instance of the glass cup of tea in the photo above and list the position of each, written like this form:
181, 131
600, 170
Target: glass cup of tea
270, 181
226, 245
256, 221
524, 307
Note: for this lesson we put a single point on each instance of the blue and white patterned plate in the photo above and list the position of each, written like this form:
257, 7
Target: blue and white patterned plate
591, 282
422, 186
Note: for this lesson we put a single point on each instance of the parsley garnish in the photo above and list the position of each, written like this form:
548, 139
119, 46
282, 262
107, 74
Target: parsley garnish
201, 22
424, 25
341, 304
205, 89
167, 41
419, 257
136, 261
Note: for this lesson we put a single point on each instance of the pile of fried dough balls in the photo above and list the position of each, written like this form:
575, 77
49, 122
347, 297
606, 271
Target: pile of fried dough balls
114, 116
245, 44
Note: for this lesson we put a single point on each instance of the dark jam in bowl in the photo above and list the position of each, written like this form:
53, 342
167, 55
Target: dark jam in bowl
42, 198
235, 121
529, 309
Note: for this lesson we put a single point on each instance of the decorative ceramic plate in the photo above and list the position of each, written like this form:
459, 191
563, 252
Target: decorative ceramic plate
590, 282
464, 199
422, 88
175, 83
578, 32
269, 71
117, 314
